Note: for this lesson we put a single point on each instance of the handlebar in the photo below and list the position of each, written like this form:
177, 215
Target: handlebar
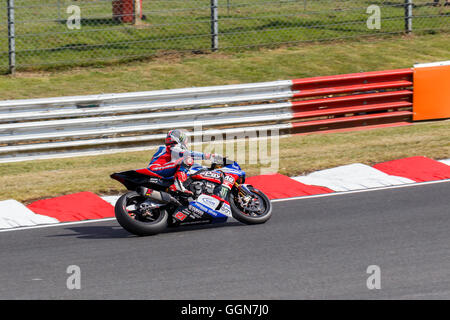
214, 164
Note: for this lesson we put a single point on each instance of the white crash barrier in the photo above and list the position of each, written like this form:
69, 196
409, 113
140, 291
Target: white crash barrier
351, 177
91, 125
13, 214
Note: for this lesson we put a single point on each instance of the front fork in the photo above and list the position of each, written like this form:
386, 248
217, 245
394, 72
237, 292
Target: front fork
244, 192
241, 188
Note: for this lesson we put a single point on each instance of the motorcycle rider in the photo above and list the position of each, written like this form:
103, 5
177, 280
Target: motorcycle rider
175, 159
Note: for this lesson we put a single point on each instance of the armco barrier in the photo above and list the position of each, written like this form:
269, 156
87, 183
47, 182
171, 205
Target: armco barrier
96, 124
356, 100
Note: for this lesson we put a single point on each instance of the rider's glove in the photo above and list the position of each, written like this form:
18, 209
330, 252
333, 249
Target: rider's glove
185, 161
215, 158
188, 161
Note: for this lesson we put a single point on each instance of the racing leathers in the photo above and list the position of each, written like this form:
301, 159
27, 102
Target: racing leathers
174, 161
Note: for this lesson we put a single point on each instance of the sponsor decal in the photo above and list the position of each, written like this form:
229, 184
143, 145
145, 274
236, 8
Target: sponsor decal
194, 216
202, 207
211, 212
224, 191
229, 179
203, 221
214, 213
208, 201
211, 174
206, 209
225, 209
195, 210
153, 180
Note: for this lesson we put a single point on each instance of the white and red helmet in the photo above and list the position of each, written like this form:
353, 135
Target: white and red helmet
177, 137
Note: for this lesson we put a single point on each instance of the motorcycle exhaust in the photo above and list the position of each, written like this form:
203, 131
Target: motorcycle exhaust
158, 196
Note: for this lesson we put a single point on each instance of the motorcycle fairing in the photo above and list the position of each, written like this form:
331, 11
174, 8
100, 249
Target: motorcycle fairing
233, 169
217, 209
211, 176
133, 179
191, 215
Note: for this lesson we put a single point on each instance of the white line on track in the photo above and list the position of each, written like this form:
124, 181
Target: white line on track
64, 224
362, 190
61, 224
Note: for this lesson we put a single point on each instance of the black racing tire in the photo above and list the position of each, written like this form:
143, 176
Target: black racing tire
134, 226
241, 216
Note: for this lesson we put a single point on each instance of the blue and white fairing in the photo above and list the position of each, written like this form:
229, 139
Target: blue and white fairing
208, 205
195, 167
233, 168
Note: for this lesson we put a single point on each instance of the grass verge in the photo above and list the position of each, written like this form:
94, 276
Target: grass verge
184, 70
27, 181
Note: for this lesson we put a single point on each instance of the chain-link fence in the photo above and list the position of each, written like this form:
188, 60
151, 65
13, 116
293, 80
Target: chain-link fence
40, 33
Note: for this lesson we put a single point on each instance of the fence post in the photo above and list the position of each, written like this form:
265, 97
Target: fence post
137, 11
58, 8
11, 37
408, 16
214, 25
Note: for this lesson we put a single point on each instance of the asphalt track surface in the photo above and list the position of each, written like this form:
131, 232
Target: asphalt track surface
312, 248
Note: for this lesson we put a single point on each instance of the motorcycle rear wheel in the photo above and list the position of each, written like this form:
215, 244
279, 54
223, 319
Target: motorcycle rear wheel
248, 216
133, 222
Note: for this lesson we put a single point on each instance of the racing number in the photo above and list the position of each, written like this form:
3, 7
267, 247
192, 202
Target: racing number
180, 216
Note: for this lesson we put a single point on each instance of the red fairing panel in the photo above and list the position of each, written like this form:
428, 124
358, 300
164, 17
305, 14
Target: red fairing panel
209, 176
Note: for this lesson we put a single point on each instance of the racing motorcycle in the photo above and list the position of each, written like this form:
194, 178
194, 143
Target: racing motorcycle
219, 193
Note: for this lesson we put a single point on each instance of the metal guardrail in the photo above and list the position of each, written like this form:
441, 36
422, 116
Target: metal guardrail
358, 99
107, 123
95, 124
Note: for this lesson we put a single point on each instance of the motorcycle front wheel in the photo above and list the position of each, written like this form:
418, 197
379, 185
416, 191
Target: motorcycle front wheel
251, 209
135, 217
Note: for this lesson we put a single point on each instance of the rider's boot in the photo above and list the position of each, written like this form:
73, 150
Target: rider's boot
180, 178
